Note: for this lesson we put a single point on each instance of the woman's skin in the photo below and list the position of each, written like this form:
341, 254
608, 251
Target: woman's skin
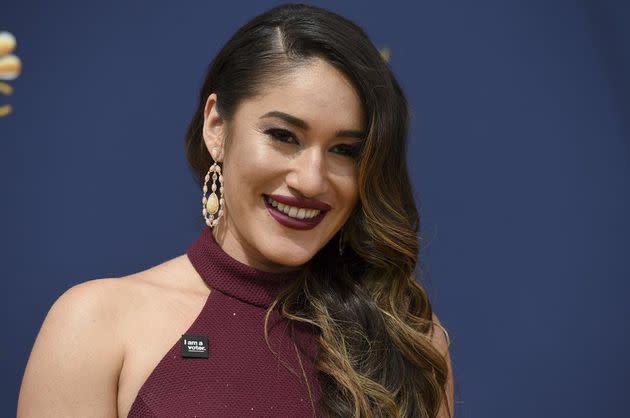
102, 338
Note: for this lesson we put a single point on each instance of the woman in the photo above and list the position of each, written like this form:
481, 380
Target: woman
299, 297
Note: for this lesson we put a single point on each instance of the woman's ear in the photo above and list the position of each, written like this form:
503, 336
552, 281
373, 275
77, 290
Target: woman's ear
213, 129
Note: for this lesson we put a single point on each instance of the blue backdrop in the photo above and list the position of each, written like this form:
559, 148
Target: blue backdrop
519, 152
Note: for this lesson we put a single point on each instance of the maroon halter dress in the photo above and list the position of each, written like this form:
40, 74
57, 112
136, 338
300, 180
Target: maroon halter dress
222, 367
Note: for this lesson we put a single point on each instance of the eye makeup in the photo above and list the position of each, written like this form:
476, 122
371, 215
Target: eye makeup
351, 150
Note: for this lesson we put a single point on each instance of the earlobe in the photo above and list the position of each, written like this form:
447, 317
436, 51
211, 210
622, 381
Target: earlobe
213, 128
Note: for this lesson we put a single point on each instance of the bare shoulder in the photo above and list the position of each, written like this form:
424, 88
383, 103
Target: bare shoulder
441, 341
74, 363
76, 360
97, 301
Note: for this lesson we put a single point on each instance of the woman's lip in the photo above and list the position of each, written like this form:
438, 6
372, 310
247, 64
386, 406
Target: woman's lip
293, 223
301, 202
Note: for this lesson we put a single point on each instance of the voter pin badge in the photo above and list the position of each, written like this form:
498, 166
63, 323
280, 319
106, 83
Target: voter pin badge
195, 346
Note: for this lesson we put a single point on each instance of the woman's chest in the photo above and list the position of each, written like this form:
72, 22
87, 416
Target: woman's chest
240, 374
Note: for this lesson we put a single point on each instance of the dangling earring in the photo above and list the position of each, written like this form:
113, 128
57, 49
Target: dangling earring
213, 205
341, 242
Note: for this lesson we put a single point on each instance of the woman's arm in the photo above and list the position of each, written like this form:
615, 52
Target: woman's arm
441, 342
74, 366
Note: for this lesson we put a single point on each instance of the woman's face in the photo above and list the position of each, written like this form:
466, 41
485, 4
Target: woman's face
289, 170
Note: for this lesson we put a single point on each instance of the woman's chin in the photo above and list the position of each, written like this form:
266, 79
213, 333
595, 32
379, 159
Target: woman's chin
293, 256
290, 260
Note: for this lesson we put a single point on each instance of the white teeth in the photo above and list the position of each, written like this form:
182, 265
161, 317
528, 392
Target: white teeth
293, 211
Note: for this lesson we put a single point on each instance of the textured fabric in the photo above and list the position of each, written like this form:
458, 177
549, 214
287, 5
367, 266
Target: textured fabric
241, 377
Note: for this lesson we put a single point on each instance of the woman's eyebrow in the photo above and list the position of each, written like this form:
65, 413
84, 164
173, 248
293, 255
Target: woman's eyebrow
295, 121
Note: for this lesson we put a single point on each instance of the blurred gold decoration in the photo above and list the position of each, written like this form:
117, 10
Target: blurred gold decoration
6, 90
7, 43
10, 68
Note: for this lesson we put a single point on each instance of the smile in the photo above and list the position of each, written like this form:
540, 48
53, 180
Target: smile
293, 211
295, 217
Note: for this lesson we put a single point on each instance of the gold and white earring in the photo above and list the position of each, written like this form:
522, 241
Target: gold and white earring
213, 204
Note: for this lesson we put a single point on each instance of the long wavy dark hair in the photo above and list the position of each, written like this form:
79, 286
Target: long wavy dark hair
376, 356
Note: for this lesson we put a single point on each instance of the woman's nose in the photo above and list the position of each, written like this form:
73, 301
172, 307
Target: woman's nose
308, 173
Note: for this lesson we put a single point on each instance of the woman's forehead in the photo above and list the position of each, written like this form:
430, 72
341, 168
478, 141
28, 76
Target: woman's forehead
316, 92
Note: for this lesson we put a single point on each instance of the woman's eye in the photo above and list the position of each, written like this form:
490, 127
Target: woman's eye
348, 150
281, 135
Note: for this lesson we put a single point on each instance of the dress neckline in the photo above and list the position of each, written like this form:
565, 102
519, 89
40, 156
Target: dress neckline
224, 273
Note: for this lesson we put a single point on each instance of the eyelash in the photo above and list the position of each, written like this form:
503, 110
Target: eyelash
282, 135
